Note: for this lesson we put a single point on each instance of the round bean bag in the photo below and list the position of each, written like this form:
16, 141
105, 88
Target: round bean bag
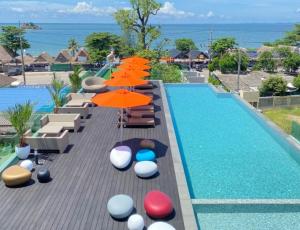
43, 175
120, 206
160, 226
145, 169
120, 157
157, 204
135, 222
27, 164
15, 175
145, 155
147, 144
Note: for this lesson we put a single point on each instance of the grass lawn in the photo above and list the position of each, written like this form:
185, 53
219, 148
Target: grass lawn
284, 117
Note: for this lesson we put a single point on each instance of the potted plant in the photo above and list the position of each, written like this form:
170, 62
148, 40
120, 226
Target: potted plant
55, 91
19, 117
75, 79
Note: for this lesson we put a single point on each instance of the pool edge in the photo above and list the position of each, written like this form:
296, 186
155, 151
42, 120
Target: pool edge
188, 214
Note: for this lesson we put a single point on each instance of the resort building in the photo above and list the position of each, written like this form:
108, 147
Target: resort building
5, 57
82, 56
63, 57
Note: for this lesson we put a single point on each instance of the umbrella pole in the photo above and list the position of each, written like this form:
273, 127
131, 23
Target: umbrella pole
122, 126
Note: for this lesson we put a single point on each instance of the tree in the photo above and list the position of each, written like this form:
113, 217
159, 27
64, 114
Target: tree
296, 81
166, 73
55, 90
10, 39
185, 44
222, 45
75, 79
266, 62
228, 63
73, 46
292, 38
136, 20
19, 117
275, 85
99, 45
291, 63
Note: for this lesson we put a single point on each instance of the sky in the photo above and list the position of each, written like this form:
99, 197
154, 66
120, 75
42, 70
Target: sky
172, 11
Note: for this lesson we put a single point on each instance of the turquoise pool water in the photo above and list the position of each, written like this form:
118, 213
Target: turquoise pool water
38, 95
228, 151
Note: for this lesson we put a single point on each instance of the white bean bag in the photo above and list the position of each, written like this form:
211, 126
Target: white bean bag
145, 169
120, 206
120, 156
135, 222
160, 226
27, 164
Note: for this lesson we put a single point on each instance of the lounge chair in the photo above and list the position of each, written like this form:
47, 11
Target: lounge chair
43, 142
93, 85
81, 97
83, 110
149, 85
143, 108
145, 91
67, 121
139, 113
137, 122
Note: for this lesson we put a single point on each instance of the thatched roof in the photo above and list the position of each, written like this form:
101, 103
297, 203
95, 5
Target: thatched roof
44, 58
5, 56
28, 60
265, 48
63, 57
82, 53
5, 81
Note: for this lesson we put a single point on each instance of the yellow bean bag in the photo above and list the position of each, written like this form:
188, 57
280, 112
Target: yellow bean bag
15, 175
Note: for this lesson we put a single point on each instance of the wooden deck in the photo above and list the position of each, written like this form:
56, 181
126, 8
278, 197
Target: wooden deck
84, 180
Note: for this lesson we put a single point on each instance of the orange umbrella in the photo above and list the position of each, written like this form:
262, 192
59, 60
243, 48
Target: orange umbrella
121, 99
125, 80
130, 74
136, 59
132, 66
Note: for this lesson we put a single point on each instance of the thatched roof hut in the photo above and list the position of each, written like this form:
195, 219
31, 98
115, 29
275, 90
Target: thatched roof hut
44, 58
63, 57
28, 59
5, 56
82, 56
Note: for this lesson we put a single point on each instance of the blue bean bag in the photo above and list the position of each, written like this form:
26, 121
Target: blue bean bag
145, 155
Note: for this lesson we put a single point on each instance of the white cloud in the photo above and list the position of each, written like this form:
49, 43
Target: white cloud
88, 8
210, 14
169, 9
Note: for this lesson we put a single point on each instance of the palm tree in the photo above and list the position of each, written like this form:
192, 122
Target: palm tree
75, 79
56, 95
19, 117
73, 46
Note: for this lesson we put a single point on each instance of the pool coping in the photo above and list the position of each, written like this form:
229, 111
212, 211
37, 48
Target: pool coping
189, 218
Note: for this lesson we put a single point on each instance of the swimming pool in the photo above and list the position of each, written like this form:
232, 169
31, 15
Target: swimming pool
38, 95
227, 150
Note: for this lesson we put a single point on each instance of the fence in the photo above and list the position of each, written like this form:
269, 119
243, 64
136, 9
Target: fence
278, 101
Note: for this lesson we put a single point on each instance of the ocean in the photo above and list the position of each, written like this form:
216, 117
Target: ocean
54, 37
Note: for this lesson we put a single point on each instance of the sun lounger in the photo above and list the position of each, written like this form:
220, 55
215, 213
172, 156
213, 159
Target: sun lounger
146, 86
67, 121
83, 110
80, 97
137, 122
44, 142
139, 113
143, 108
145, 91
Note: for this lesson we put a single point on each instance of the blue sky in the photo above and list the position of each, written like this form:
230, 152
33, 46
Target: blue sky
173, 11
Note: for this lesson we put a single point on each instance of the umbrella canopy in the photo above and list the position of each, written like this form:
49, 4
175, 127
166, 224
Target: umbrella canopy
137, 60
132, 66
137, 74
121, 98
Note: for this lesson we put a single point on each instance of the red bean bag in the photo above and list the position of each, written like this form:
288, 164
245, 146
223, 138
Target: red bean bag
157, 204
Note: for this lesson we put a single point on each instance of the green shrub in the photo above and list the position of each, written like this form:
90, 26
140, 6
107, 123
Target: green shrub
275, 86
165, 72
213, 81
266, 62
296, 82
291, 63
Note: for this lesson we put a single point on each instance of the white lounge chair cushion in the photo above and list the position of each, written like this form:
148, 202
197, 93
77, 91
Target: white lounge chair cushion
64, 124
160, 226
145, 169
120, 156
120, 206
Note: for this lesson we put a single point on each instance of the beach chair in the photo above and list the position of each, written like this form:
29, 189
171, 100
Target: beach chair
137, 122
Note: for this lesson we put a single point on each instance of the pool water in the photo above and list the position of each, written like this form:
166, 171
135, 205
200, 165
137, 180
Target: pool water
228, 151
38, 95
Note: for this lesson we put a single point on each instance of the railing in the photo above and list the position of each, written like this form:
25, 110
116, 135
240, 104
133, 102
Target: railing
278, 101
